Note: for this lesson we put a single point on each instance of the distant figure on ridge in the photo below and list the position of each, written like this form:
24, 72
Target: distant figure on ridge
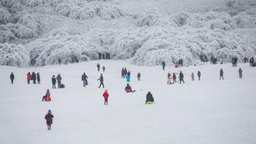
12, 77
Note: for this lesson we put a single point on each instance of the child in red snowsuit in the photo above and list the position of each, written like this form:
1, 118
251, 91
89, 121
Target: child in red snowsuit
105, 95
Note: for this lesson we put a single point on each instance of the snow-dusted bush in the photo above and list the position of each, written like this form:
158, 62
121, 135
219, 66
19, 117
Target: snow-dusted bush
68, 48
13, 55
6, 34
108, 12
5, 16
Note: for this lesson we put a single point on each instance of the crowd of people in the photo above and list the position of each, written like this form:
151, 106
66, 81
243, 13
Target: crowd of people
171, 79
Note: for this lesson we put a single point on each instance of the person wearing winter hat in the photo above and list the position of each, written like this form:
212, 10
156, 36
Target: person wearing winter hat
149, 98
49, 118
47, 96
106, 95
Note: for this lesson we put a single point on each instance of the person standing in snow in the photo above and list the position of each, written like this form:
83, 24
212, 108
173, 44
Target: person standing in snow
127, 78
59, 61
240, 73
174, 77
149, 98
125, 71
59, 80
49, 119
122, 73
84, 79
138, 76
163, 65
28, 77
106, 95
38, 78
221, 74
53, 82
98, 66
33, 77
181, 77
101, 81
193, 77
168, 78
12, 77
199, 75
129, 73
103, 68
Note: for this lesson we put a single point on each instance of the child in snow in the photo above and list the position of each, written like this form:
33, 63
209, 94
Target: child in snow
174, 77
199, 75
138, 76
47, 96
128, 89
128, 78
240, 73
53, 82
193, 77
106, 95
49, 119
168, 78
181, 77
149, 98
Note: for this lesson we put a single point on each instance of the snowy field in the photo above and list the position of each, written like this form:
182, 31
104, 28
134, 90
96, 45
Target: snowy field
210, 111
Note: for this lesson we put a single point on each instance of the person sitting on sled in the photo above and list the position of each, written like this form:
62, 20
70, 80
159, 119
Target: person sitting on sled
128, 89
149, 98
47, 96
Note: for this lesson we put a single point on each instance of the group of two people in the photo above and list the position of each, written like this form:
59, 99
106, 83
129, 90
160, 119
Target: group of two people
58, 79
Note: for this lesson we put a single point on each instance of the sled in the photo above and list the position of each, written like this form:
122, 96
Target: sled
149, 102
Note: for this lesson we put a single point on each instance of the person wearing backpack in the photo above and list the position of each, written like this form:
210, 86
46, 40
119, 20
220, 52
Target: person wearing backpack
49, 118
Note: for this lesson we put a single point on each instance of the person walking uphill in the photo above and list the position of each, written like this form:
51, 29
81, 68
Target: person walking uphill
53, 82
59, 80
49, 119
221, 74
84, 79
149, 98
106, 95
240, 73
12, 77
101, 81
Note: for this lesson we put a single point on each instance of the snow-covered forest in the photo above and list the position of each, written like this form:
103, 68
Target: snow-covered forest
38, 32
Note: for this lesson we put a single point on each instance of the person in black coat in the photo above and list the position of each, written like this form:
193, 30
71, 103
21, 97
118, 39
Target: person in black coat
33, 77
101, 81
128, 89
38, 78
221, 74
98, 66
12, 77
199, 75
138, 76
149, 98
181, 77
84, 79
53, 82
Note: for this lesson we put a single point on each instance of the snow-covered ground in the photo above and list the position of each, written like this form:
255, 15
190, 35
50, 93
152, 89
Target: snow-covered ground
210, 111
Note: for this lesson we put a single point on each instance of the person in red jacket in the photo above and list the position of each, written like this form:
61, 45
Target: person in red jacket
240, 73
105, 95
28, 77
49, 118
174, 77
